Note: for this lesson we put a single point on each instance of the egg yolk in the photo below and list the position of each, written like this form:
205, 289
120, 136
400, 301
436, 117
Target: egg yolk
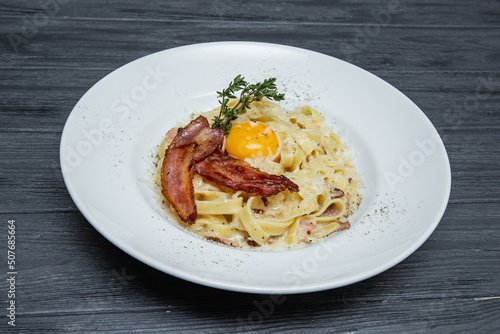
251, 140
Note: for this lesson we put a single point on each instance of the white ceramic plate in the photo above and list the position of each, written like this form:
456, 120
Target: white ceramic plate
113, 131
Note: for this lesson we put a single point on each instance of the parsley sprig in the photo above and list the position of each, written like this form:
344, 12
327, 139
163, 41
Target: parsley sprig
249, 93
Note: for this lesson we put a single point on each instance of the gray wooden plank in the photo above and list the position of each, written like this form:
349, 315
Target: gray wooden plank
439, 13
96, 43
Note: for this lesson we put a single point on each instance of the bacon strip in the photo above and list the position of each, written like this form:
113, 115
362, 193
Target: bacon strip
206, 142
191, 143
239, 175
186, 135
198, 131
176, 182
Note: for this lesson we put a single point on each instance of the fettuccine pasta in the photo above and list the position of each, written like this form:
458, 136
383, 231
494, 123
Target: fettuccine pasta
312, 156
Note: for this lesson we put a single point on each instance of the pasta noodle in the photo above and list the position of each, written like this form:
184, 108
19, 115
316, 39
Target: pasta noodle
312, 156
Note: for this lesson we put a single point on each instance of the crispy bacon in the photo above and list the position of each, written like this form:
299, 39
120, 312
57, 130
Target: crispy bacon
186, 135
176, 182
191, 143
206, 142
239, 175
198, 131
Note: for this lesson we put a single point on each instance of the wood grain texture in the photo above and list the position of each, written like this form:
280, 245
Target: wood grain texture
444, 55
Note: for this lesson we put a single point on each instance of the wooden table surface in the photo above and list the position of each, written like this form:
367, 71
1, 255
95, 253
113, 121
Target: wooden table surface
444, 55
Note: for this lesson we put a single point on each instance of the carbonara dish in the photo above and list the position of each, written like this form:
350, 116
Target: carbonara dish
295, 151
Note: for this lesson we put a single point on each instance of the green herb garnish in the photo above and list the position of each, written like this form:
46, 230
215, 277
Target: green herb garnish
249, 93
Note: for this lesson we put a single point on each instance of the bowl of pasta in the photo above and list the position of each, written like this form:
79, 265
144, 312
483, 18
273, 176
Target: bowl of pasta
288, 170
